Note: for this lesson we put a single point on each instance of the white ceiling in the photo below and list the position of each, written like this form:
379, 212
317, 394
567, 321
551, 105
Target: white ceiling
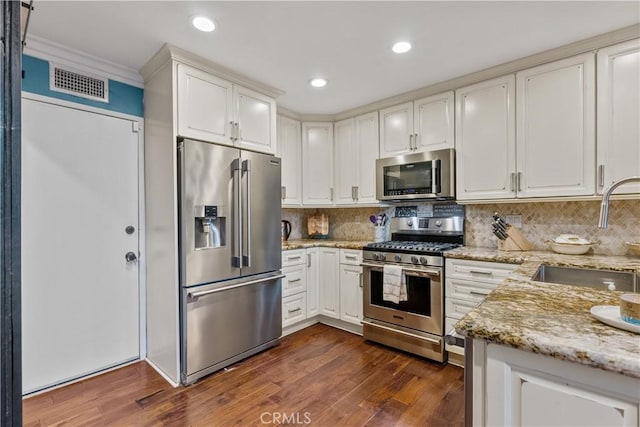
284, 44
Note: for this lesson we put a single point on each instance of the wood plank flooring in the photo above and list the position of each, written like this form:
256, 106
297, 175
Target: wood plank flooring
320, 376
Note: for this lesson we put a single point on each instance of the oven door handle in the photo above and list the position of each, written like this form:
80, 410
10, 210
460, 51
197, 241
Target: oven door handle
409, 334
435, 273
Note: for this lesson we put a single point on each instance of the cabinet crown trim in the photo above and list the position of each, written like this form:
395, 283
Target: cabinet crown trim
168, 53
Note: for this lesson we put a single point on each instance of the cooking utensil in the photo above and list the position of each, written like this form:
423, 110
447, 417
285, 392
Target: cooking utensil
285, 230
373, 219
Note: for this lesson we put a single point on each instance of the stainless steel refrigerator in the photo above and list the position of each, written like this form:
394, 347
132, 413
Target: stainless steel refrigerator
230, 255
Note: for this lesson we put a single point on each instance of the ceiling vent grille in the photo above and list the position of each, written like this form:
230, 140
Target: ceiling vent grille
79, 84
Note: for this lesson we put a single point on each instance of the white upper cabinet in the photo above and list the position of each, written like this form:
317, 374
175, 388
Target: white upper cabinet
423, 125
216, 110
204, 106
433, 122
396, 130
356, 152
317, 163
255, 120
485, 139
555, 143
367, 141
345, 161
290, 150
618, 114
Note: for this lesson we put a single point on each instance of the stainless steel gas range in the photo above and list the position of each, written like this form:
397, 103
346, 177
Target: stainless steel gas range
416, 324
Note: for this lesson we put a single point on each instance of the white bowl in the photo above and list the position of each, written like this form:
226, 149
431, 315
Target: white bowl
570, 248
571, 239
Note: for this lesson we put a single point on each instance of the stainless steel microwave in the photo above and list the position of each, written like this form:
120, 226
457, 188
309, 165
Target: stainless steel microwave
428, 175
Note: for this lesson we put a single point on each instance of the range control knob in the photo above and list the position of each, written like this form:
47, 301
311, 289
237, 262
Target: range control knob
414, 259
398, 258
410, 223
381, 257
438, 223
423, 260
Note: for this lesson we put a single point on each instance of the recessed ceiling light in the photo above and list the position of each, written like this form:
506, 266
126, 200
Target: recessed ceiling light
318, 82
401, 47
203, 23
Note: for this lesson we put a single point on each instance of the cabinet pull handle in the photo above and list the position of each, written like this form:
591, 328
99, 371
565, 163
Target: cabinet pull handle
353, 257
291, 258
295, 310
353, 193
332, 194
361, 281
294, 280
283, 192
415, 141
486, 273
357, 192
410, 142
513, 181
601, 175
232, 131
308, 260
519, 181
481, 294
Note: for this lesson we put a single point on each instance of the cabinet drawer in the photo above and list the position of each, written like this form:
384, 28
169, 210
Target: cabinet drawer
295, 280
350, 256
469, 290
487, 272
293, 257
294, 309
457, 308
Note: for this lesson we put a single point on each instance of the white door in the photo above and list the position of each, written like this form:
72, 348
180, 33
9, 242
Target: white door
351, 293
204, 106
433, 122
618, 112
329, 282
289, 149
313, 286
317, 163
486, 140
555, 141
256, 118
346, 162
80, 295
367, 143
396, 130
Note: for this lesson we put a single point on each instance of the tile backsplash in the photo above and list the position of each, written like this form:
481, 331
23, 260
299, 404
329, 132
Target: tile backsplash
540, 221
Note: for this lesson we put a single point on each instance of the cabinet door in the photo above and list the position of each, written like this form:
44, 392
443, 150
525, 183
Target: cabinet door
618, 112
555, 142
367, 152
351, 293
396, 130
329, 263
317, 163
290, 150
256, 120
485, 140
295, 280
346, 162
433, 122
313, 286
204, 106
294, 309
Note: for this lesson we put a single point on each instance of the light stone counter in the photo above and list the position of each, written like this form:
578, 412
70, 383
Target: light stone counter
312, 243
552, 319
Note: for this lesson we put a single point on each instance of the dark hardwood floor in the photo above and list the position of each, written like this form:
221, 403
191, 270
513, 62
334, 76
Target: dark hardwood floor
319, 376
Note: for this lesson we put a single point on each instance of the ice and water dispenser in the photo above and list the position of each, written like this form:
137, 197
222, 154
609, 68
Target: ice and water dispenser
209, 227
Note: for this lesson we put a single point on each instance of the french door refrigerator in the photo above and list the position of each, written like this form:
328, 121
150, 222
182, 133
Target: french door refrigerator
230, 255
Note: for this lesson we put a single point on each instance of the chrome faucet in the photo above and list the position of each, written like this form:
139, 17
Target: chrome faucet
604, 206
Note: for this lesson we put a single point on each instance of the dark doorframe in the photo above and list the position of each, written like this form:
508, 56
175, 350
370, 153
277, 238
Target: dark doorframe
10, 318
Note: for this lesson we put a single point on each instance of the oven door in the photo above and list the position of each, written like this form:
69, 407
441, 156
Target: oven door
423, 309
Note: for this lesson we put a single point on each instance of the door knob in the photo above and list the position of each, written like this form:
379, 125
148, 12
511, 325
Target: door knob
130, 257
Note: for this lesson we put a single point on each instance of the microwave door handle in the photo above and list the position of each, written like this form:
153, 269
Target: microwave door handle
435, 177
236, 259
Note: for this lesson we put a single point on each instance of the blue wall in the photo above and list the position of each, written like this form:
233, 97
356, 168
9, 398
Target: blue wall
123, 98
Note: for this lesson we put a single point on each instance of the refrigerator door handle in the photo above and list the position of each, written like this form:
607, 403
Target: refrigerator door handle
236, 259
239, 285
246, 259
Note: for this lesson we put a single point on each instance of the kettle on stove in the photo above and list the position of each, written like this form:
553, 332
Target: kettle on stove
285, 229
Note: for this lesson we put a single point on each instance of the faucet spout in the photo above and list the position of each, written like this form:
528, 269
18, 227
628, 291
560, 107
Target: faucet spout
603, 219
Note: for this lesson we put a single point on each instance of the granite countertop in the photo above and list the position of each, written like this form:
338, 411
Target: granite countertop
552, 319
312, 243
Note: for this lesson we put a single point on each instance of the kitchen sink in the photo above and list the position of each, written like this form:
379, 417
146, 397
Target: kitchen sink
599, 279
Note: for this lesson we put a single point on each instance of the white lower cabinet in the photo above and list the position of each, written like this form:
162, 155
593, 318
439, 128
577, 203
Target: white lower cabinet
322, 284
467, 283
351, 286
527, 389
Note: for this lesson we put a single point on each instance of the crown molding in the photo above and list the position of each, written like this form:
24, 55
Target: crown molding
169, 52
54, 52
